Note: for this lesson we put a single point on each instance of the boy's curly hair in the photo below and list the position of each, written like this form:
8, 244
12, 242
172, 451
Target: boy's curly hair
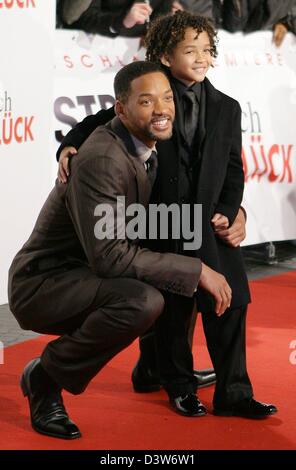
166, 32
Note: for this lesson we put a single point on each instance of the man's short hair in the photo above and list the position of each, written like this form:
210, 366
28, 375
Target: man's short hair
123, 79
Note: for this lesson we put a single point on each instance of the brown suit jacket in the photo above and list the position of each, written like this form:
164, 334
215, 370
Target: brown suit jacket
59, 269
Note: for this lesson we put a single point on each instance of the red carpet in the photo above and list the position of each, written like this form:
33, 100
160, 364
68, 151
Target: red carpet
111, 416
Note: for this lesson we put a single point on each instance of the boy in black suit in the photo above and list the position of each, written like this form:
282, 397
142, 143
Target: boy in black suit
200, 164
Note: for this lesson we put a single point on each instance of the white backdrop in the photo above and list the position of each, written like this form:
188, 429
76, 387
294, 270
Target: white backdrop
263, 79
26, 80
249, 68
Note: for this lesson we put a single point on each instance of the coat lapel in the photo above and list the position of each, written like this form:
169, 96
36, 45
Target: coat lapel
178, 125
201, 131
211, 119
213, 108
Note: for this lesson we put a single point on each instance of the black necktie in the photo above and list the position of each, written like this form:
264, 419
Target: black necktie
151, 167
191, 108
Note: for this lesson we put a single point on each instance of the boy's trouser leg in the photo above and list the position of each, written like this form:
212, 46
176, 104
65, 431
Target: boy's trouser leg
226, 341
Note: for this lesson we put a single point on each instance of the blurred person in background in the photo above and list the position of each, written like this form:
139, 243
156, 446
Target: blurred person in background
112, 17
249, 15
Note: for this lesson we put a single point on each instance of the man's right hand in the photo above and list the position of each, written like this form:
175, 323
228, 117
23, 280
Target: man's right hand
216, 284
63, 170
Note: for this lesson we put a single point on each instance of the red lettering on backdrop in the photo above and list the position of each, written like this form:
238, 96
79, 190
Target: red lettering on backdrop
17, 129
286, 161
105, 60
261, 156
28, 132
7, 124
120, 61
260, 160
68, 61
17, 4
273, 151
254, 159
18, 137
84, 62
87, 61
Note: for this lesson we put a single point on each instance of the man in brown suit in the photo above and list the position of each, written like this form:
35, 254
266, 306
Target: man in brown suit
99, 293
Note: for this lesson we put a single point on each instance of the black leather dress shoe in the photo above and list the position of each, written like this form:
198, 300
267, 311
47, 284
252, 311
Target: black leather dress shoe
188, 405
144, 379
247, 408
48, 414
205, 377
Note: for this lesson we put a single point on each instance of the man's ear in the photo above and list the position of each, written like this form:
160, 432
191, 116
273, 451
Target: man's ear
119, 109
165, 60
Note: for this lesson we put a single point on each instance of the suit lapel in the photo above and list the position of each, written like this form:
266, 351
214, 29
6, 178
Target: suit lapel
143, 184
121, 131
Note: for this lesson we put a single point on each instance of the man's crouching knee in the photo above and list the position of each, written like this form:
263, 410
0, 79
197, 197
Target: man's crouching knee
149, 305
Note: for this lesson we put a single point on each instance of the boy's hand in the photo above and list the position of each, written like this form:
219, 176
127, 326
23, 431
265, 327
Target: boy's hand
220, 222
216, 284
63, 170
234, 235
138, 14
